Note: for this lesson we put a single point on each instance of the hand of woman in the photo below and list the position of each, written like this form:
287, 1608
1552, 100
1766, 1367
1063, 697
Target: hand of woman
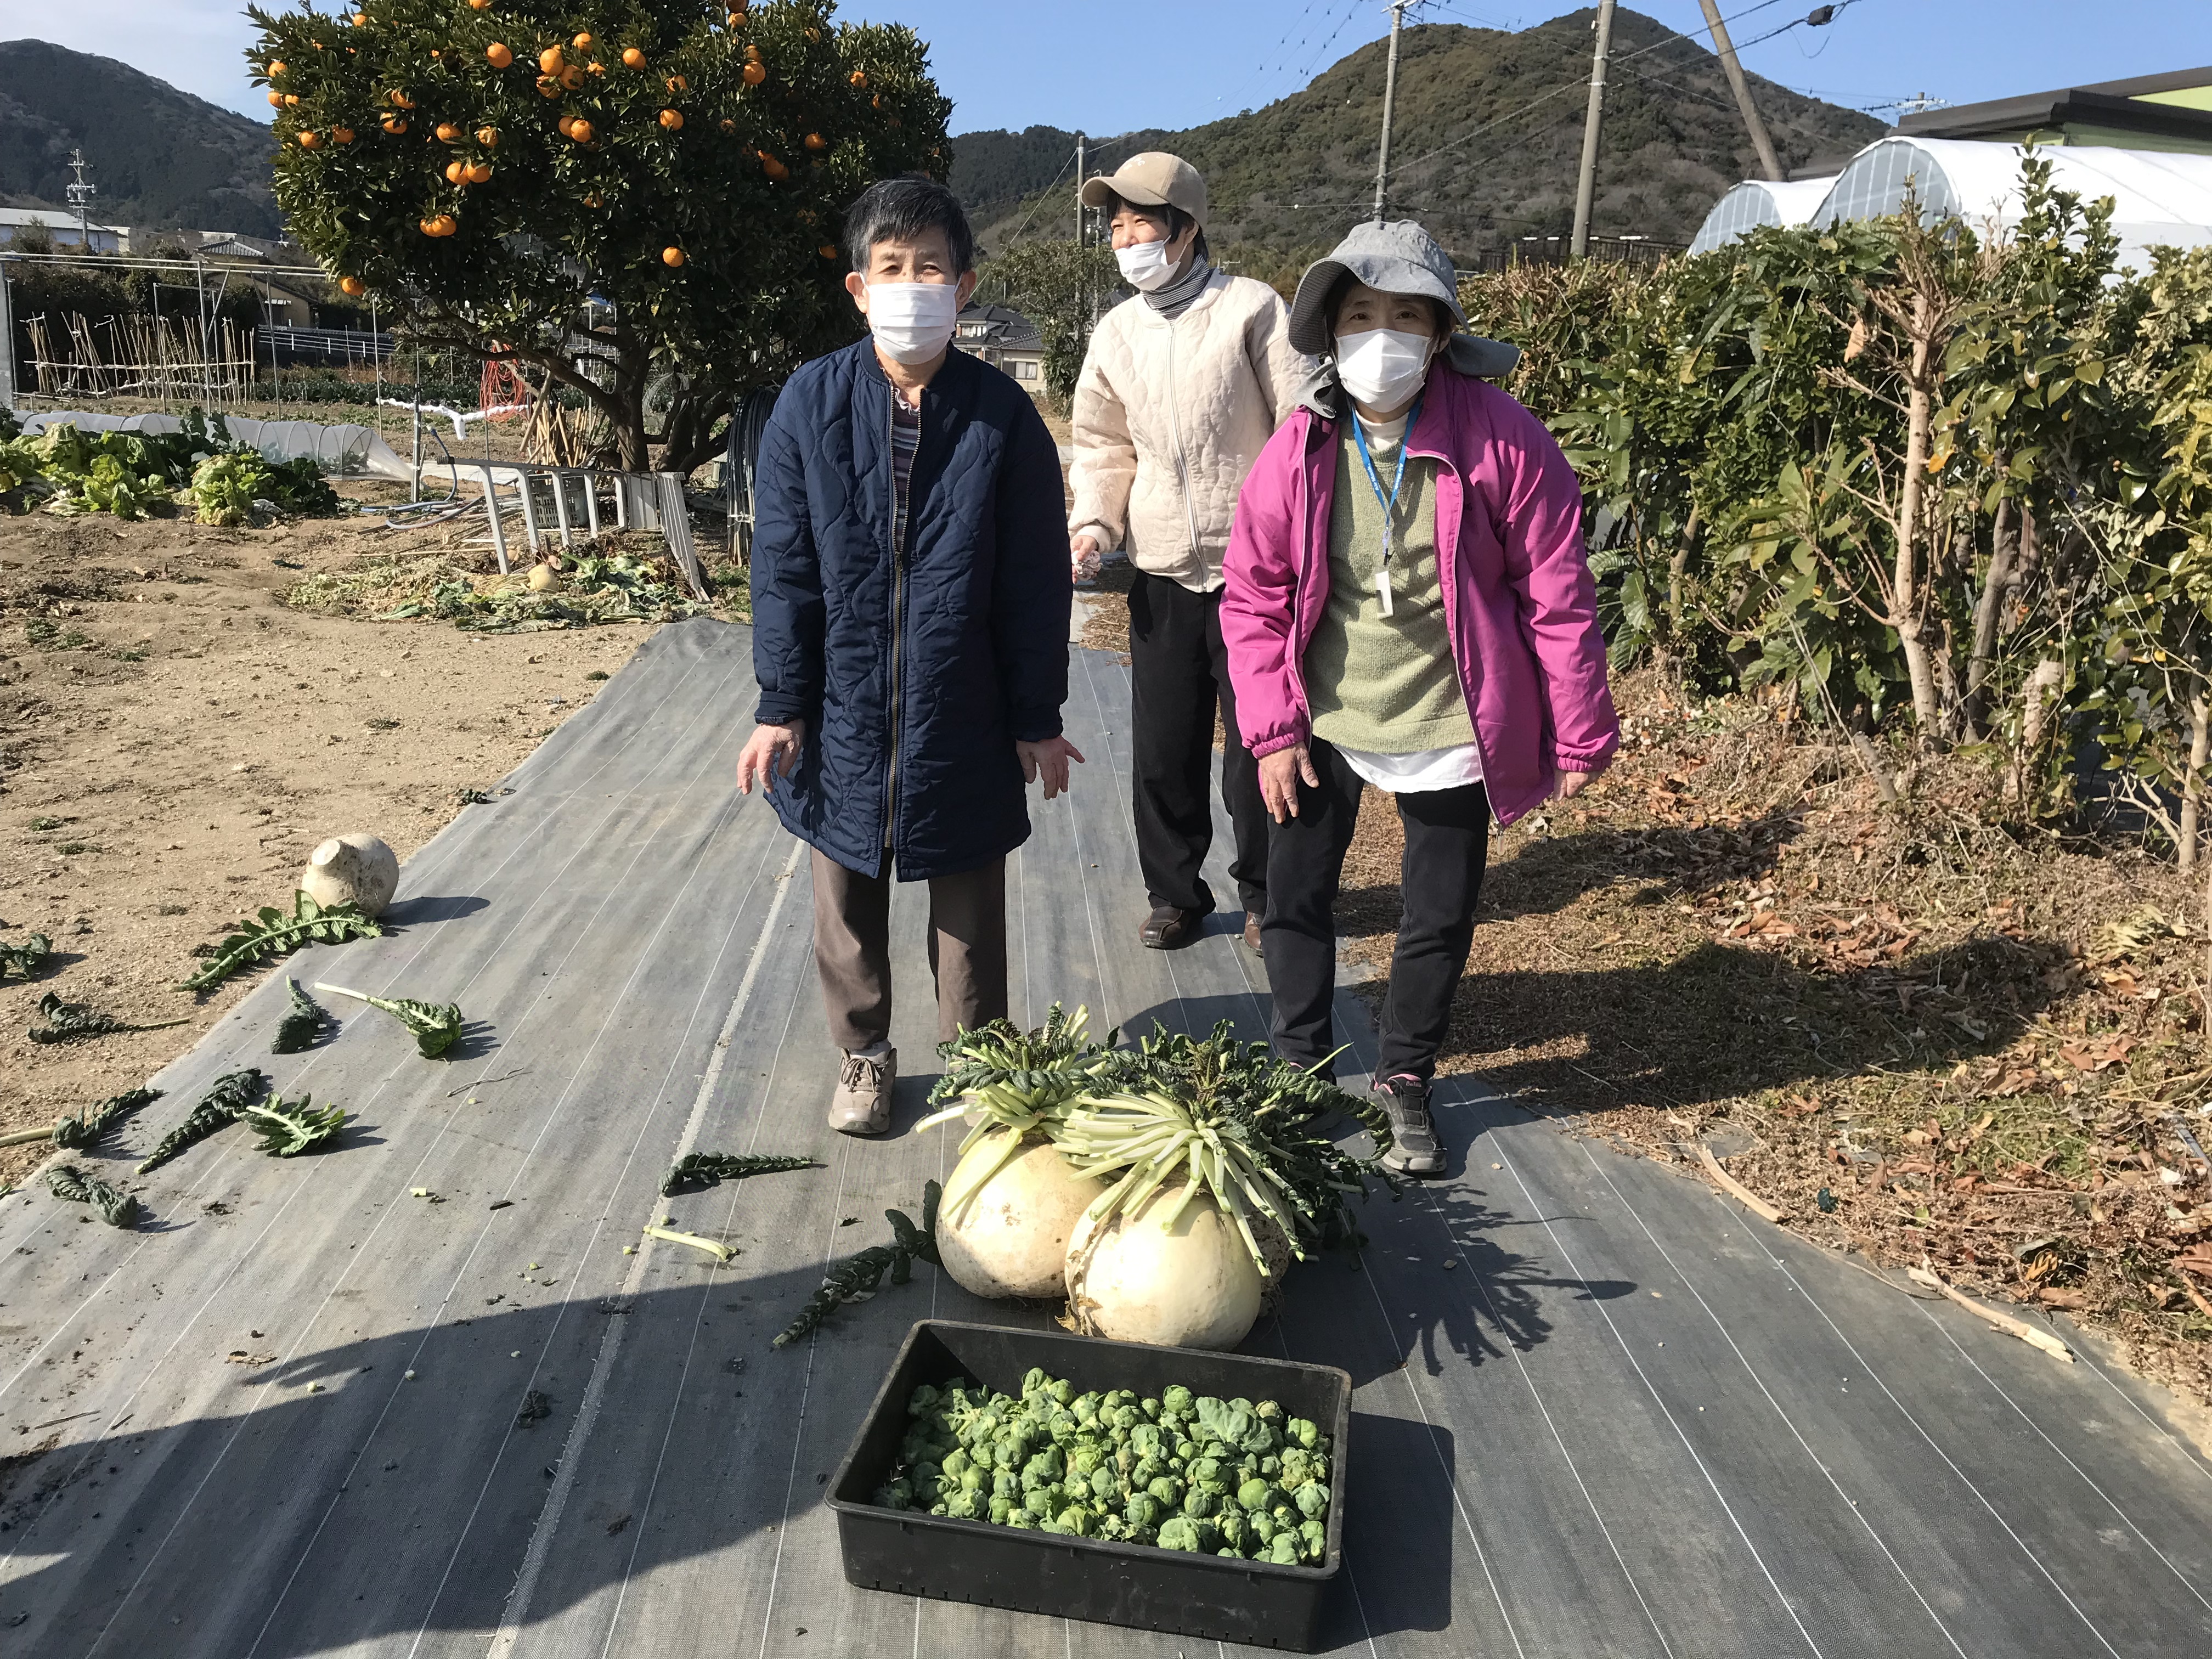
1082, 553
1279, 779
1567, 785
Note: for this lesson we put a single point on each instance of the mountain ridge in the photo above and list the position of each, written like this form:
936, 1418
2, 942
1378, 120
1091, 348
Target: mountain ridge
1294, 173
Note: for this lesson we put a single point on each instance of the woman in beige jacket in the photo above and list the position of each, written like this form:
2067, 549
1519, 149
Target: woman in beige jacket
1184, 384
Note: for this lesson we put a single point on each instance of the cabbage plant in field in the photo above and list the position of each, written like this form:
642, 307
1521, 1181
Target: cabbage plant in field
617, 195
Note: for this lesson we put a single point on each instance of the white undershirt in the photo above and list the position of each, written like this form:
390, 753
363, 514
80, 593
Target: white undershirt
1428, 769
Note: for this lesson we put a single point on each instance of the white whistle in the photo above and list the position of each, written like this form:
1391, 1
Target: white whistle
1382, 588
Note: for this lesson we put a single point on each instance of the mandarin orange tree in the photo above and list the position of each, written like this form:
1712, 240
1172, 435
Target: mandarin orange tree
638, 199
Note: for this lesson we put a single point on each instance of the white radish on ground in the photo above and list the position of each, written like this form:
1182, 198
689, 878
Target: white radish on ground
1191, 1285
355, 868
1003, 1226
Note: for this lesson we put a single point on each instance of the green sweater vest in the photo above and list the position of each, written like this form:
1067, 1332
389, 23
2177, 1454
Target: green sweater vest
1385, 684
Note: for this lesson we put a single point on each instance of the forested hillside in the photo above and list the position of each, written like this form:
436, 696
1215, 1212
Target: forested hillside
1489, 134
159, 157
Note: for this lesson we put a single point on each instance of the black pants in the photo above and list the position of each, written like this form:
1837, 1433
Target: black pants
1447, 842
1180, 674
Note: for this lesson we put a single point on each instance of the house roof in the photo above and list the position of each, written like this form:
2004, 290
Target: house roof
1000, 326
52, 218
2148, 103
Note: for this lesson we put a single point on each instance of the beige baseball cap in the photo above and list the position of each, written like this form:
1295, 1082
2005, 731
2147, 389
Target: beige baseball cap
1151, 179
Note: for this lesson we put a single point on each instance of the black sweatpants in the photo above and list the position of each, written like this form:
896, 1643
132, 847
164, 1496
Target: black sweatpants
1179, 671
1446, 842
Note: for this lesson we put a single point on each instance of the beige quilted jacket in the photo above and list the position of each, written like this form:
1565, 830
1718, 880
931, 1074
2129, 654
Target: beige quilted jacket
1169, 417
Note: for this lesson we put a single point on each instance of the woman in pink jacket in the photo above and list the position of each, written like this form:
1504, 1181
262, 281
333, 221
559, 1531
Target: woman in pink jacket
1407, 603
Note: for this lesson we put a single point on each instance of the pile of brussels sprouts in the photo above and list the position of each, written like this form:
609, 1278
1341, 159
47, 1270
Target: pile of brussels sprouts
1183, 1472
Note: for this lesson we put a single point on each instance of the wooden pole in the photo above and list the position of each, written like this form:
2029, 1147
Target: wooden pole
1390, 102
1586, 184
1741, 88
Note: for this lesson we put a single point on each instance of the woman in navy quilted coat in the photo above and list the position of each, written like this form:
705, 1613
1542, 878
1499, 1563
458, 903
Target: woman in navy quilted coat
910, 593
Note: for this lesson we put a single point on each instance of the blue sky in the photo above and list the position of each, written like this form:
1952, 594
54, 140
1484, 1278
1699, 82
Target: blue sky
1131, 63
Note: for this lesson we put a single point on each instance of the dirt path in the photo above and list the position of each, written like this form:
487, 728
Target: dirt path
174, 740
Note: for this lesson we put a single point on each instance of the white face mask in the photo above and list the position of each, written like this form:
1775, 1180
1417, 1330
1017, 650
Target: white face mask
1145, 265
1382, 367
913, 322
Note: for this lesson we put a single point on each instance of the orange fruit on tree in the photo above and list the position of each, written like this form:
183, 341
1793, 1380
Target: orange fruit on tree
360, 20
859, 78
342, 135
291, 98
479, 5
774, 168
815, 140
876, 102
562, 125
592, 200
633, 59
395, 123
448, 131
671, 256
813, 33
728, 125
434, 52
677, 83
595, 68
309, 138
488, 137
828, 250
550, 60
548, 86
583, 42
479, 172
500, 54
580, 131
401, 99
276, 68
571, 77
755, 74
673, 119
753, 53
276, 100
457, 172
353, 286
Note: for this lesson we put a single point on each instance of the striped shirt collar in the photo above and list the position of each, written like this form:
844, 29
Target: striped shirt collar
1178, 297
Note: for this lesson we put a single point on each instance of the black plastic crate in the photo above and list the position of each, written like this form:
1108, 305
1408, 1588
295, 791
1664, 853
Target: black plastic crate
911, 1552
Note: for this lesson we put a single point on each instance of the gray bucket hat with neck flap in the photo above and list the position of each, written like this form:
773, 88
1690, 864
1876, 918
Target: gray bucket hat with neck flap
1393, 256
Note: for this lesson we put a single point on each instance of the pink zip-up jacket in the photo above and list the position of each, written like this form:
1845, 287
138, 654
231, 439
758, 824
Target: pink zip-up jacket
1518, 599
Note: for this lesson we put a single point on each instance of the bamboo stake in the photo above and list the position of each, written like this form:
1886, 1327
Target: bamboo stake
2005, 1323
1751, 1200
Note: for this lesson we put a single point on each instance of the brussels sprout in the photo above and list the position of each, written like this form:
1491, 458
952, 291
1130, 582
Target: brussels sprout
974, 1480
1111, 1528
1297, 1470
1037, 1502
1312, 1500
1084, 1459
1004, 1483
1300, 1433
1051, 1462
1103, 1485
1178, 1400
1085, 1406
937, 1509
965, 1505
1317, 1466
926, 1475
1061, 1391
1198, 1503
921, 1401
1124, 1418
1253, 1495
1268, 1411
1270, 1467
1186, 1450
1179, 1534
1235, 1532
1168, 1490
1077, 1520
1145, 1439
1283, 1550
1034, 1381
1152, 1408
1264, 1526
1209, 1536
1148, 1470
1143, 1509
1313, 1540
891, 1496
1002, 1508
956, 1460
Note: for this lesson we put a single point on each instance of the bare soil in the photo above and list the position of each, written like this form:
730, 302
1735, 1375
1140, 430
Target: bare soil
174, 740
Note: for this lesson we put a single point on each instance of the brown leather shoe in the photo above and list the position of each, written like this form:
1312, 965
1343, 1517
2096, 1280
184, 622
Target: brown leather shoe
1169, 928
1252, 932
861, 1103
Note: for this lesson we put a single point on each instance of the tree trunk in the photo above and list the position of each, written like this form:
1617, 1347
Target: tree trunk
2044, 684
2192, 786
1987, 612
1907, 603
1677, 568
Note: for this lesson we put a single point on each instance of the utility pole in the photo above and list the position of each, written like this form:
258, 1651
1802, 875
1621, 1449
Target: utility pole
1080, 175
1586, 184
1389, 103
81, 196
1726, 48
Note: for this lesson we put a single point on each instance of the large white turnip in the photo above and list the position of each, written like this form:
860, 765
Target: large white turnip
1193, 1285
354, 868
1003, 1228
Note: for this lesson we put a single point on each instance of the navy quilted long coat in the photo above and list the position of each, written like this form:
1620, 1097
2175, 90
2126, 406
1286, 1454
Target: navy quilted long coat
915, 680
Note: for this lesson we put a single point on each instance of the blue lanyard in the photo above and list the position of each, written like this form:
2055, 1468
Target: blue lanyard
1374, 480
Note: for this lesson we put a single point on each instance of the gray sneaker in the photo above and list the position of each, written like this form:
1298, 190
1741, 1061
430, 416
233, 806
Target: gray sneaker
1414, 1148
861, 1103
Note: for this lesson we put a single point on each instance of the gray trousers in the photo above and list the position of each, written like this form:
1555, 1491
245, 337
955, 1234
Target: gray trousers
852, 950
